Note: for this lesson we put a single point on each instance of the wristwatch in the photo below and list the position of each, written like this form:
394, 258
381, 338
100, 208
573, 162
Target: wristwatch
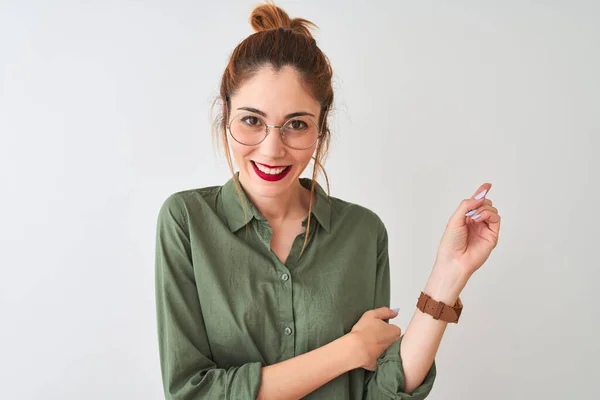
439, 310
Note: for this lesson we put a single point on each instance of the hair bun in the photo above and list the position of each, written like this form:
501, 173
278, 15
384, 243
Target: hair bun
268, 16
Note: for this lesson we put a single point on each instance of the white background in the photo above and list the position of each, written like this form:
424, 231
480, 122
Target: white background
104, 112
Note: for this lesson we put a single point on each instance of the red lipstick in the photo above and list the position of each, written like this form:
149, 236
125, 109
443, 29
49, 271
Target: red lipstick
270, 166
270, 178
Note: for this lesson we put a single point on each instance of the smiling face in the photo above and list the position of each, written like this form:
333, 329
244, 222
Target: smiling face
270, 168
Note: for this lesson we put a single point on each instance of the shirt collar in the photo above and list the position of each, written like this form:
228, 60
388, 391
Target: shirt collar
321, 208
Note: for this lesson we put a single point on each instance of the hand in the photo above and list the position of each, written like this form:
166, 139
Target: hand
375, 335
468, 240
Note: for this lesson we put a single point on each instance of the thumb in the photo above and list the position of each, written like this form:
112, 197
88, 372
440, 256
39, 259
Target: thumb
459, 218
385, 313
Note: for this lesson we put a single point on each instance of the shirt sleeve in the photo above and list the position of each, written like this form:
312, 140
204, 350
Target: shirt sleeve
387, 381
187, 369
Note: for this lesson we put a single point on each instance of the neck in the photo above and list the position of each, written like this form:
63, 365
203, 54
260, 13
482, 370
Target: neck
291, 204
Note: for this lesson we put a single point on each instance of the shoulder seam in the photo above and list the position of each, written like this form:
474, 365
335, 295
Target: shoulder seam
182, 208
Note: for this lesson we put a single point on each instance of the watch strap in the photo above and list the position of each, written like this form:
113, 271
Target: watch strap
438, 310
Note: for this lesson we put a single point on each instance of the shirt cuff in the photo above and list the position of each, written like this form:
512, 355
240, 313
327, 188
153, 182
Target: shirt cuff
388, 380
244, 381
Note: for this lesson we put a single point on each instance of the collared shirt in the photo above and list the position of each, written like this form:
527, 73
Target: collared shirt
227, 306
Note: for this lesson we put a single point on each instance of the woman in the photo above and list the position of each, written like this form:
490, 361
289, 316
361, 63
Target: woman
267, 287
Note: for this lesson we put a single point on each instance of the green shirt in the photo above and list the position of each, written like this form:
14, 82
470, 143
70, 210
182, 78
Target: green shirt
227, 306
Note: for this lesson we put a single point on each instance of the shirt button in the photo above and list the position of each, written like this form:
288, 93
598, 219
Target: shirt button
285, 277
288, 331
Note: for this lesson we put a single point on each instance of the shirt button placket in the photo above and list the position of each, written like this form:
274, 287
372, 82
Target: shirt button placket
287, 312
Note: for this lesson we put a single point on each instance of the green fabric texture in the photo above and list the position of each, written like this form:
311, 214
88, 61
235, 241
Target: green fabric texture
227, 306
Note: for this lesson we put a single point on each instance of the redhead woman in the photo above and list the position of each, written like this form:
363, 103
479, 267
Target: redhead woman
269, 288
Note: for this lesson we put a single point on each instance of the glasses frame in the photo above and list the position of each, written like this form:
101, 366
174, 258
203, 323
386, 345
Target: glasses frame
267, 126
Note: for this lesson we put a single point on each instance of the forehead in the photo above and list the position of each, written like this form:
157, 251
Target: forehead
276, 93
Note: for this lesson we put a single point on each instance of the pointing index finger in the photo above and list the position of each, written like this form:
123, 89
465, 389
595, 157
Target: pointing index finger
482, 191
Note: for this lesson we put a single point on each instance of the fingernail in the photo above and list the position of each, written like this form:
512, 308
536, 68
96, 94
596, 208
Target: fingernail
470, 213
480, 195
395, 309
477, 216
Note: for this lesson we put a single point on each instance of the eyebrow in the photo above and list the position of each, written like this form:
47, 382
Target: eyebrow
264, 114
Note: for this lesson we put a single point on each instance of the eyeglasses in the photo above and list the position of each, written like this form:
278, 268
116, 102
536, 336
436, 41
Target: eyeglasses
251, 129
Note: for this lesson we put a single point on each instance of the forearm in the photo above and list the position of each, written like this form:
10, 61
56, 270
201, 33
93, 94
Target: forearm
301, 375
424, 334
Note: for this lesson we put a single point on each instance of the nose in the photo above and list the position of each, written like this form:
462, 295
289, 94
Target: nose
272, 147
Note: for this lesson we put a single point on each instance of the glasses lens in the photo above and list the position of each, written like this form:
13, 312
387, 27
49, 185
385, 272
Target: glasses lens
248, 128
300, 133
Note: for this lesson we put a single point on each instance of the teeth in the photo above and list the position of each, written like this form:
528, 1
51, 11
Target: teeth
270, 171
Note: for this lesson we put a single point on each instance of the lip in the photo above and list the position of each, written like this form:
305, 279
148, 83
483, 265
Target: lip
270, 178
271, 166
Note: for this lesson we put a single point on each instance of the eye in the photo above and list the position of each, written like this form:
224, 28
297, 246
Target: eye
251, 120
298, 125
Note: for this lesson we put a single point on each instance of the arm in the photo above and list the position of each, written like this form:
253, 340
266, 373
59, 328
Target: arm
188, 371
393, 377
301, 375
464, 247
424, 334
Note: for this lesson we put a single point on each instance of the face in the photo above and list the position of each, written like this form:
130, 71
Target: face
272, 98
